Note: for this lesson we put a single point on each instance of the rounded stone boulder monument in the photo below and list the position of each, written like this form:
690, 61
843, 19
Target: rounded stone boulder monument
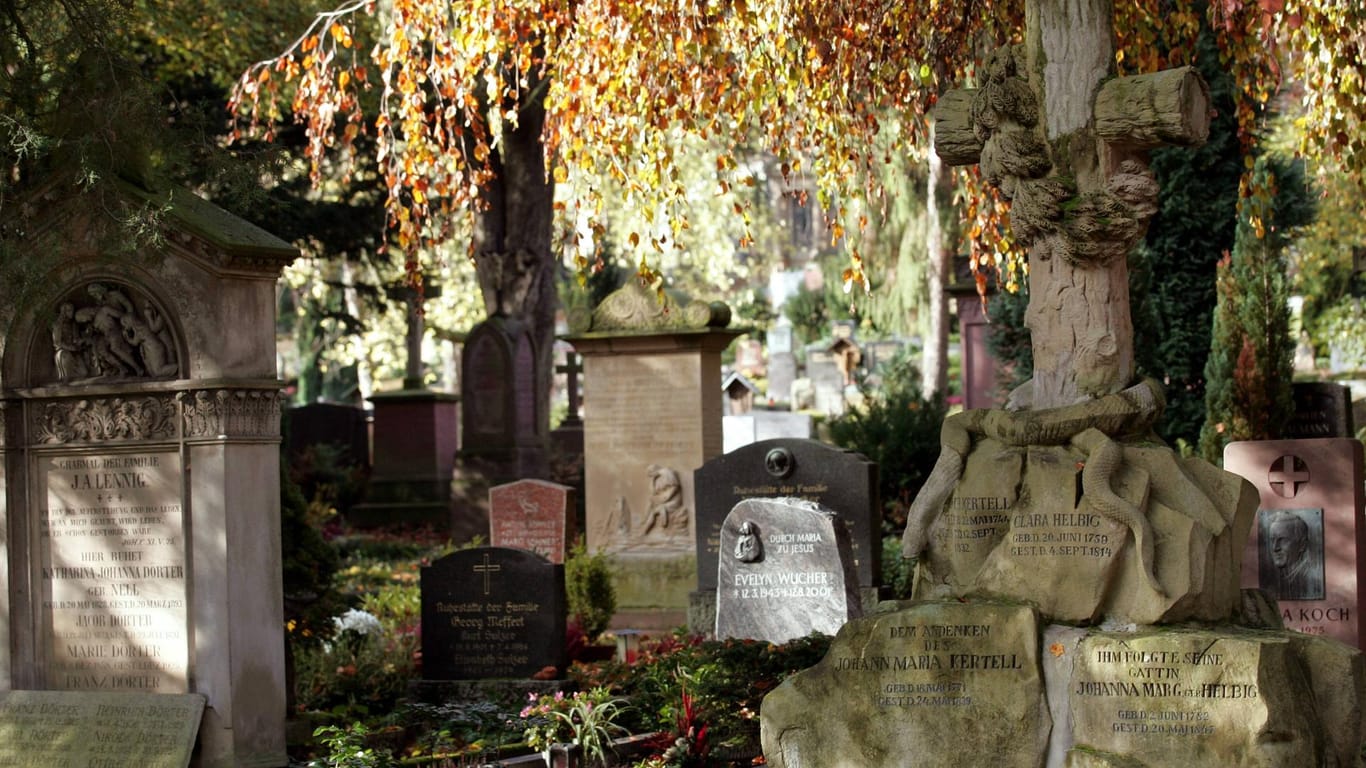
139, 482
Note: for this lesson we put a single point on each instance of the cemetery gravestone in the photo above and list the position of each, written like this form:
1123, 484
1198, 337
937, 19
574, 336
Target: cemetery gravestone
492, 612
653, 416
739, 431
786, 572
1322, 409
840, 480
415, 434
342, 428
502, 419
44, 729
952, 684
1308, 545
535, 515
827, 381
123, 570
782, 363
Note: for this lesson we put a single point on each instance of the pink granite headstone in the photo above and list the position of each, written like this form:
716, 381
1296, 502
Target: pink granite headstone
533, 515
1308, 547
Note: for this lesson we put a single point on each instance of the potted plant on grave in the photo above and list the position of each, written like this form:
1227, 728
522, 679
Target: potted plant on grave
575, 730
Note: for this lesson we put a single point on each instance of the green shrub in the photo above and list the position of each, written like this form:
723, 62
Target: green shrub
588, 589
364, 668
1343, 328
725, 679
899, 430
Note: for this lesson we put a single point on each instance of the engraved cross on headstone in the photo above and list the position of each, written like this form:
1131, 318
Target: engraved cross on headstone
487, 569
571, 368
1287, 480
1066, 143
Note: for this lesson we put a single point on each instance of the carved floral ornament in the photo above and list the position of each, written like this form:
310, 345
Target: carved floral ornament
104, 331
237, 413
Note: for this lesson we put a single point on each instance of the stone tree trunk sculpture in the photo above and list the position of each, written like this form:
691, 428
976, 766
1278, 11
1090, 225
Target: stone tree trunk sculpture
1073, 459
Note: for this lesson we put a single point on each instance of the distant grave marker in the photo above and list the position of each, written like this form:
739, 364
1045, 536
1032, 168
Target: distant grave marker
1322, 409
492, 612
533, 515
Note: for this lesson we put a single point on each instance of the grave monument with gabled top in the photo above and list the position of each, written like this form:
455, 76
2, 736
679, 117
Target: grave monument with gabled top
139, 466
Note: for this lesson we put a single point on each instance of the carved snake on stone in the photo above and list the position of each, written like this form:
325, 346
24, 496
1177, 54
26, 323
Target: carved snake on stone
1088, 426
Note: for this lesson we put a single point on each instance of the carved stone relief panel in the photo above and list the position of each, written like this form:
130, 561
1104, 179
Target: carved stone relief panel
105, 330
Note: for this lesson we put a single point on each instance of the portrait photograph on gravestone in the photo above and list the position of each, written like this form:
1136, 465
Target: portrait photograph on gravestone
1290, 559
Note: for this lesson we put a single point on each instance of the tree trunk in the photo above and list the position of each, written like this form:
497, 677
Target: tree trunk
512, 243
934, 369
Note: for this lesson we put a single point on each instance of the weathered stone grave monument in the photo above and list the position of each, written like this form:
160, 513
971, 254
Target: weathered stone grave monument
842, 481
492, 612
504, 426
415, 441
137, 730
1077, 580
786, 571
140, 444
535, 515
342, 428
1307, 550
653, 415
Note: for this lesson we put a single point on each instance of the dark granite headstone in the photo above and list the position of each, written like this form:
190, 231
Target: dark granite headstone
844, 481
492, 612
341, 426
786, 572
1322, 409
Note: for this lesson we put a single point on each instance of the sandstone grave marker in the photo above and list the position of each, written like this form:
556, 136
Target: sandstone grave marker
492, 612
952, 684
786, 571
1308, 546
653, 415
45, 729
535, 515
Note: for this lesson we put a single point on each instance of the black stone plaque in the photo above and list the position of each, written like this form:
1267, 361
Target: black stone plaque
492, 612
841, 480
1321, 410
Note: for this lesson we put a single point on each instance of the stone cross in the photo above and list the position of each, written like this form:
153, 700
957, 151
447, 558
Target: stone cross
571, 369
417, 328
1286, 480
1071, 156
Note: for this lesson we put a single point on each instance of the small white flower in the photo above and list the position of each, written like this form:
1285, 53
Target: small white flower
358, 621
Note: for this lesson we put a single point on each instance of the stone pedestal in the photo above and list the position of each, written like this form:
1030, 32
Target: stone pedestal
140, 453
415, 442
652, 414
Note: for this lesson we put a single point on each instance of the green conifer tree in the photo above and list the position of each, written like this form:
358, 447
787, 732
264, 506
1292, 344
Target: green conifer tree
1248, 373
